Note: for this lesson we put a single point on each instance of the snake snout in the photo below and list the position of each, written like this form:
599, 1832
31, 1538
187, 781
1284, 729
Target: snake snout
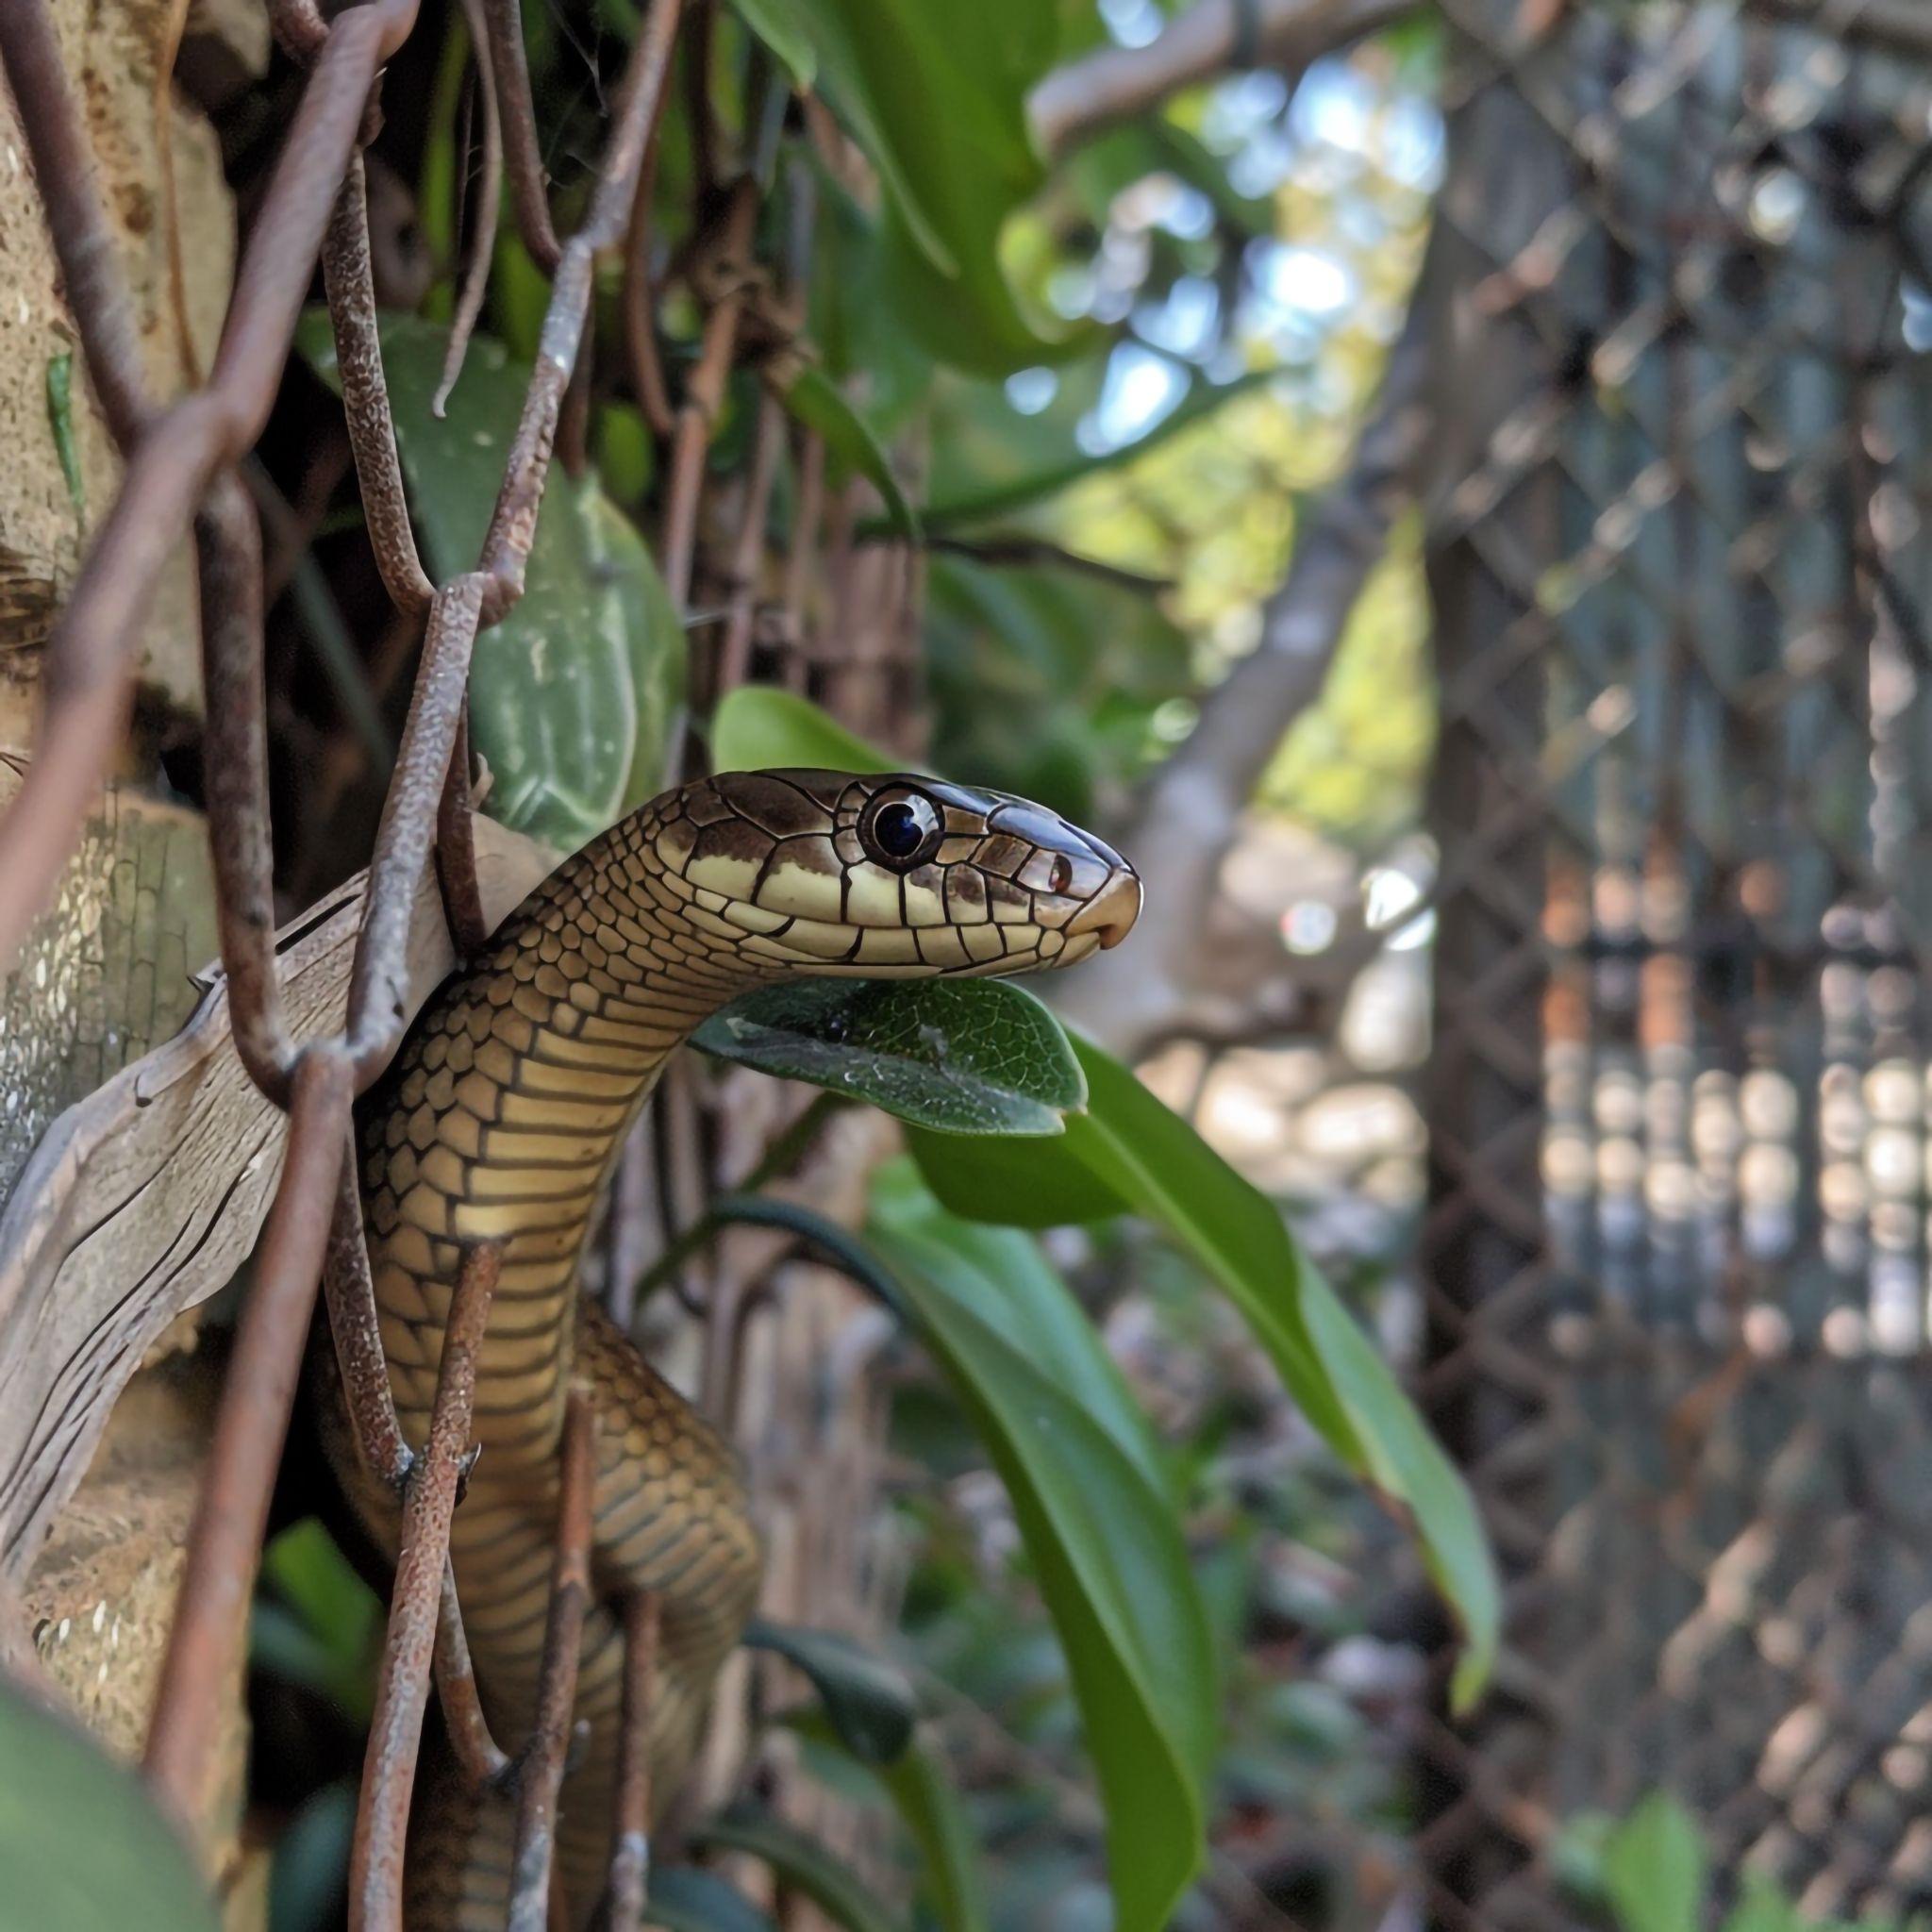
1112, 910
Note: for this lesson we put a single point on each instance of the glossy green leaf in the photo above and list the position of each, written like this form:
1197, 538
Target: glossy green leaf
815, 400
869, 1701
804, 1865
1003, 1181
757, 728
1654, 1868
572, 695
684, 1899
952, 179
1129, 1148
81, 1844
962, 1056
1100, 1528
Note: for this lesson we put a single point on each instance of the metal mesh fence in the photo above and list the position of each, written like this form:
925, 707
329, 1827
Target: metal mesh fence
1676, 1248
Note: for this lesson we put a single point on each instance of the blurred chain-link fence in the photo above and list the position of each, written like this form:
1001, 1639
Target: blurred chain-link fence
1675, 1252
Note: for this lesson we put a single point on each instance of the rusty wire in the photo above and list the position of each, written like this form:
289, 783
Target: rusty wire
415, 1608
231, 1512
630, 1856
539, 1772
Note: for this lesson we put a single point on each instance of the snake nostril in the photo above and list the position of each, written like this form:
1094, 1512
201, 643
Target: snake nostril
1060, 878
1111, 911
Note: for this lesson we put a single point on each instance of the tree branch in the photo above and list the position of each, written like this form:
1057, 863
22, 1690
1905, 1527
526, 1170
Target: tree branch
1191, 813
1079, 100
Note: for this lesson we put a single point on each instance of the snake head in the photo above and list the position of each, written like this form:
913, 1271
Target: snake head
895, 876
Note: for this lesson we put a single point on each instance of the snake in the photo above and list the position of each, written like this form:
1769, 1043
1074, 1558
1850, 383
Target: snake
499, 1121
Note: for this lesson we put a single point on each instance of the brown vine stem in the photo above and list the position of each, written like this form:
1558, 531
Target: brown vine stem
482, 1759
402, 1688
483, 232
705, 394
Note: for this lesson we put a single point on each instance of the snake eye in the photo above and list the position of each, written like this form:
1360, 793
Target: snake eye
902, 829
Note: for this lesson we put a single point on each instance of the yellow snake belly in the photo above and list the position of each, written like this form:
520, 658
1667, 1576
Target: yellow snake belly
499, 1121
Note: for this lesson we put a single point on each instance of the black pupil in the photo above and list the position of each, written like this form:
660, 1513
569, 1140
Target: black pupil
900, 829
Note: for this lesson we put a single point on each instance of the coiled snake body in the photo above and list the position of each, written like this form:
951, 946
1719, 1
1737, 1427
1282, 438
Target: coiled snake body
499, 1121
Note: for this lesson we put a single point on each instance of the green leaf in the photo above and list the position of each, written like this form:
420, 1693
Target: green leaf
869, 1701
1130, 1148
1021, 493
778, 24
1764, 1907
573, 694
627, 453
316, 1622
994, 1179
952, 179
954, 1883
683, 1899
962, 1056
1653, 1868
804, 1866
82, 1844
816, 401
60, 420
757, 728
1099, 1526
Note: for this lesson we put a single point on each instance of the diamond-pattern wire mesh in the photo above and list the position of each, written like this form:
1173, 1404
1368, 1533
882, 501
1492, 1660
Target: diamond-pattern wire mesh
1676, 1255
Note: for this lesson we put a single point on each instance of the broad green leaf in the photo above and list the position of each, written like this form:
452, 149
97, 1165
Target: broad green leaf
867, 1700
964, 1057
993, 1271
1128, 1146
1102, 1532
572, 695
81, 1844
811, 396
684, 1899
804, 1865
758, 730
1001, 1180
952, 179
1653, 1869
955, 1883
779, 25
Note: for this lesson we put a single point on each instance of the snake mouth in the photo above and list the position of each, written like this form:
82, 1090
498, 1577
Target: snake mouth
1111, 911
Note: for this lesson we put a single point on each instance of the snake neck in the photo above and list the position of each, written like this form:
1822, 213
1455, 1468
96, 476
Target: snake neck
505, 1110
